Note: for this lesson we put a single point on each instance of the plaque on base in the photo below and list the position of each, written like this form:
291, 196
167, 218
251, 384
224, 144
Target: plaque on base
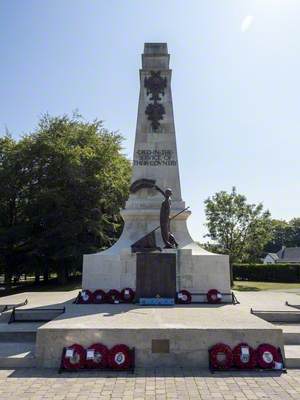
156, 277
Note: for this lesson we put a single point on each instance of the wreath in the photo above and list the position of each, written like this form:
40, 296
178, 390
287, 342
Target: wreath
119, 357
214, 296
96, 356
221, 356
267, 356
86, 297
184, 297
244, 356
99, 296
74, 357
127, 295
113, 296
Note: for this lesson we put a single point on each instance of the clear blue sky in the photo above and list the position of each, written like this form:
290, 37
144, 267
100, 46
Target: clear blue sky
236, 84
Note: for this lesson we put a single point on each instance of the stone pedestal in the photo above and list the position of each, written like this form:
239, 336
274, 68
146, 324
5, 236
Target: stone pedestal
189, 332
195, 271
155, 157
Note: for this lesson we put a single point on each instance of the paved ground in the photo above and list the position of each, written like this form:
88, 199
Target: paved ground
34, 384
24, 384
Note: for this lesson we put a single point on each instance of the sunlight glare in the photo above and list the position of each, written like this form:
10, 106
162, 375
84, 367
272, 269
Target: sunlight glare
246, 23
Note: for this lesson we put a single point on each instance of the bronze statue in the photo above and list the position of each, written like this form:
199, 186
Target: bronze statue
147, 242
168, 237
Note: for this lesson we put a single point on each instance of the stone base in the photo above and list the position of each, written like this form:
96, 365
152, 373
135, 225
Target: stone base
162, 336
196, 271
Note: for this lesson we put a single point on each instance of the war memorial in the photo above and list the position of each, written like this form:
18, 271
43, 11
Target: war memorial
157, 259
155, 160
180, 303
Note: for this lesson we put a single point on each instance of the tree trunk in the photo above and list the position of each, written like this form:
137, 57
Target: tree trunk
7, 270
63, 273
7, 276
46, 274
37, 278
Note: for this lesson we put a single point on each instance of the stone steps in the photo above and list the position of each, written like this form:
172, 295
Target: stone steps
17, 337
17, 355
17, 345
291, 333
18, 330
35, 314
288, 316
292, 356
291, 337
289, 322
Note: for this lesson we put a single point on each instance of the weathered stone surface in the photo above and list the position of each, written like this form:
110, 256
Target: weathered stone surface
190, 330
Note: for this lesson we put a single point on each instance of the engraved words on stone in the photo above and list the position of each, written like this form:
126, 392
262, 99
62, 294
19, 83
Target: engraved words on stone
155, 158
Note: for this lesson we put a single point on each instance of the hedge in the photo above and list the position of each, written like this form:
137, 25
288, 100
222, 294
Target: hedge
267, 272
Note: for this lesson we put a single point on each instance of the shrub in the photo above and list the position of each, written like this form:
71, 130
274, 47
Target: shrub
267, 272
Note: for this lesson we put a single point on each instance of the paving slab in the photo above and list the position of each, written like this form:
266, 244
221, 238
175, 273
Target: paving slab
160, 383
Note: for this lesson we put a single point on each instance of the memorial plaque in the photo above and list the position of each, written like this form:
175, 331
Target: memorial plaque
160, 346
156, 275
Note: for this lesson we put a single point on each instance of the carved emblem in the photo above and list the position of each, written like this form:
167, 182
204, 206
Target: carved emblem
155, 114
155, 85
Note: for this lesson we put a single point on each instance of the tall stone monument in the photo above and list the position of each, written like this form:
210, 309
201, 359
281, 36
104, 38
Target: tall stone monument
155, 267
155, 160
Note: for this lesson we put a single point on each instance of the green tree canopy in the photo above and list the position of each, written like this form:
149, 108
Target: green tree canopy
237, 228
283, 234
14, 228
64, 185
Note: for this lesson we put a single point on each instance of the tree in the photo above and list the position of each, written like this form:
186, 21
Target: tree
14, 229
237, 228
283, 234
295, 233
74, 180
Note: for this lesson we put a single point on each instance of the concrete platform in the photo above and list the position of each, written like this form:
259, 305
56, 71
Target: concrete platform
189, 331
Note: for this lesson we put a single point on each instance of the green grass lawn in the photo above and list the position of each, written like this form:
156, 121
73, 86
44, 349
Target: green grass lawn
56, 287
74, 283
243, 286
249, 286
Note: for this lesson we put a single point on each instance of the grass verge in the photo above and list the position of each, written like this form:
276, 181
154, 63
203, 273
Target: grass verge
250, 286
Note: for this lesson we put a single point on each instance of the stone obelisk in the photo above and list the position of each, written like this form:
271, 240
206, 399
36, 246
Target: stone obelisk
155, 151
155, 158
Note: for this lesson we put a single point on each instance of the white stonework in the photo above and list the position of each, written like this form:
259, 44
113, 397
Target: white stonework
155, 157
